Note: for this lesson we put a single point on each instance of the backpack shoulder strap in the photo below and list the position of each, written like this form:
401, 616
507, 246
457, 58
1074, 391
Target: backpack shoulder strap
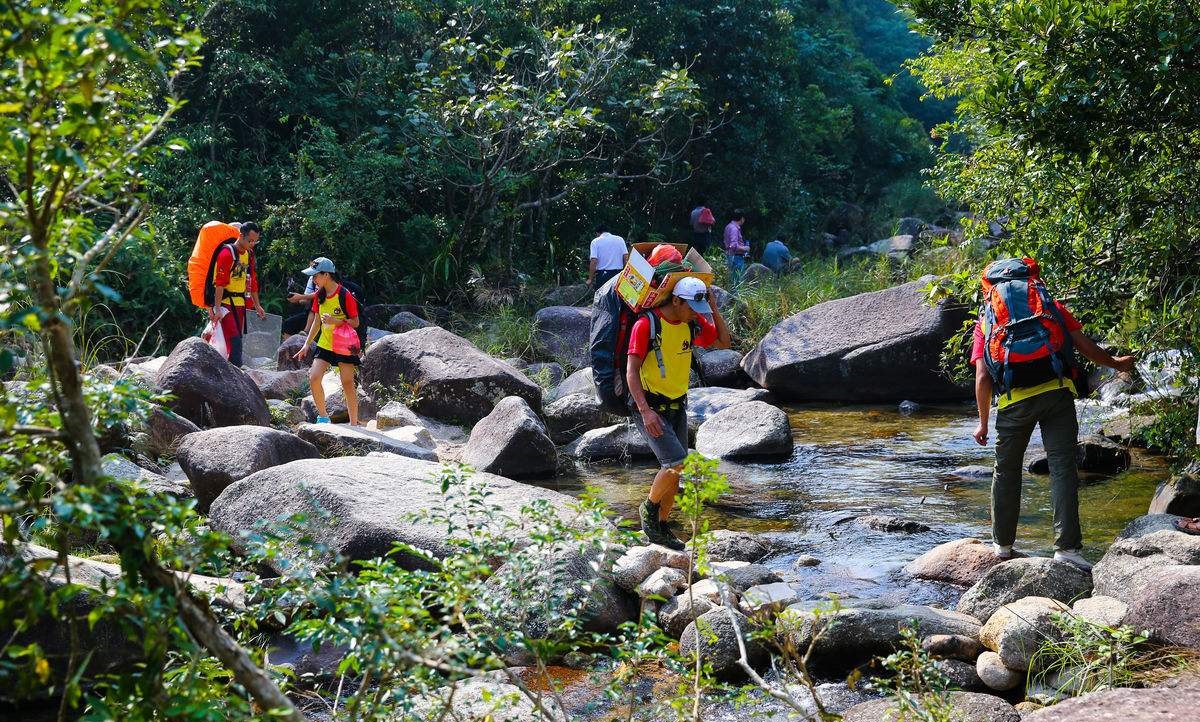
656, 342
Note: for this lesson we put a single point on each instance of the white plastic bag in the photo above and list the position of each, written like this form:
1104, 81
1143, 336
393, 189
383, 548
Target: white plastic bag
215, 335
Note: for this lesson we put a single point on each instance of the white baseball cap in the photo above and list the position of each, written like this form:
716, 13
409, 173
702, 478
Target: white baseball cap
694, 292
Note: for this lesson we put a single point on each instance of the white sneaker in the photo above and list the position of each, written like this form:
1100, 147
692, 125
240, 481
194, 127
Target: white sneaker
1074, 556
1004, 552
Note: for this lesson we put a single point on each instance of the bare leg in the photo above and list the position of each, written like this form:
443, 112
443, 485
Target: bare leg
319, 367
346, 371
664, 489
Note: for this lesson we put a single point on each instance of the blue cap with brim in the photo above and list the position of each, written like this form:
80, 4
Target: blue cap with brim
320, 265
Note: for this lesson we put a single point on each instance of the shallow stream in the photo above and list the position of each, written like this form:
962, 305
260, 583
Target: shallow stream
852, 461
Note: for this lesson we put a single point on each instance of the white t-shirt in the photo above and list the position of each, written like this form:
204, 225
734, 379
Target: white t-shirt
609, 252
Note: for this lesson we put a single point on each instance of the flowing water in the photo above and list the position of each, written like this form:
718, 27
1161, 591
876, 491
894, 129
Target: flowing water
851, 461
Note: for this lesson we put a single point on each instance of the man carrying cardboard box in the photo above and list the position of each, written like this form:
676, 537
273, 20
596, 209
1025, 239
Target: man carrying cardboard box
658, 368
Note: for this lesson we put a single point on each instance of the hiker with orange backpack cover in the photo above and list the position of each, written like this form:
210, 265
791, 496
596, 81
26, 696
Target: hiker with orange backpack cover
235, 286
1024, 354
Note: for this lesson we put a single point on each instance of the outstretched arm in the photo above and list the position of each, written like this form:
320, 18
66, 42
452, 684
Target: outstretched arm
1092, 351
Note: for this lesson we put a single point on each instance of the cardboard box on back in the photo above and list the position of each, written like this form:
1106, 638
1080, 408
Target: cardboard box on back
635, 285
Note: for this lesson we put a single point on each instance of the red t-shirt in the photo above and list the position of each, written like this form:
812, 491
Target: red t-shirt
977, 348
224, 269
639, 337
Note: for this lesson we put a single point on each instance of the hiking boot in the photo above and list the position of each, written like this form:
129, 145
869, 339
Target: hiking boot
654, 529
1073, 556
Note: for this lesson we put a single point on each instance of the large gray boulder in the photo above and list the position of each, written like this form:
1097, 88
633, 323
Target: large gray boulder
285, 356
579, 382
967, 707
216, 458
561, 333
334, 440
371, 502
406, 321
723, 367
280, 385
1180, 494
754, 429
1168, 606
1142, 551
714, 637
395, 414
681, 610
726, 545
570, 416
1176, 701
1019, 578
453, 380
706, 401
163, 429
611, 443
840, 351
208, 390
511, 441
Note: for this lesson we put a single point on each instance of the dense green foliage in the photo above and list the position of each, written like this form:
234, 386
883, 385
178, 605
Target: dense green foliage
422, 142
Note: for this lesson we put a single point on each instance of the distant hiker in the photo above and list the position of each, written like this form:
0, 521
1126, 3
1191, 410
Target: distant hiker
235, 286
608, 256
334, 324
736, 248
776, 256
702, 222
1024, 352
657, 370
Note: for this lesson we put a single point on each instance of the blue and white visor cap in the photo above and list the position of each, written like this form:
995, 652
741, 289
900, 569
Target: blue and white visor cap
694, 292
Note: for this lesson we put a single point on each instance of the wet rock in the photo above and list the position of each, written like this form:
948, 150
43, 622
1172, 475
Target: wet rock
1142, 551
739, 546
334, 440
406, 321
952, 646
121, 468
967, 707
371, 502
995, 675
394, 414
1175, 702
579, 382
208, 390
511, 441
546, 375
285, 357
570, 416
335, 404
723, 367
1017, 629
285, 413
962, 562
714, 637
977, 471
706, 401
740, 576
216, 458
1168, 606
1101, 610
639, 562
563, 333
1017, 578
908, 408
1094, 454
751, 430
891, 524
279, 384
453, 379
806, 560
770, 598
835, 351
681, 610
1180, 494
621, 441
664, 583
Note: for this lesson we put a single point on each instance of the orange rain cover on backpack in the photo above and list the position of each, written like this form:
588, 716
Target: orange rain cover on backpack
200, 263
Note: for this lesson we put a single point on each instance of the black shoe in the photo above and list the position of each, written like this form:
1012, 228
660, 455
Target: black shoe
654, 529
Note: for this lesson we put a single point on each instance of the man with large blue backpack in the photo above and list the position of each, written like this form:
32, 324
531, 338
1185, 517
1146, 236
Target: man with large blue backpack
1024, 353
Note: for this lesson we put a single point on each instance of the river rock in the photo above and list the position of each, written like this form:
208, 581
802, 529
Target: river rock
664, 583
1147, 546
1017, 578
952, 646
1094, 454
216, 458
1176, 701
855, 635
1180, 494
340, 440
371, 501
1168, 606
741, 546
837, 350
1017, 629
563, 333
163, 430
751, 430
570, 416
681, 610
706, 401
453, 379
1101, 611
120, 468
406, 321
723, 367
284, 413
962, 675
279, 384
618, 442
891, 524
579, 382
740, 576
714, 637
770, 598
962, 562
511, 441
208, 390
995, 675
639, 562
395, 414
973, 471
335, 404
285, 356
805, 560
967, 707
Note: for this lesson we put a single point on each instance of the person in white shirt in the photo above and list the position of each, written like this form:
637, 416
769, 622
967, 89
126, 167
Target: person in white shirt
609, 255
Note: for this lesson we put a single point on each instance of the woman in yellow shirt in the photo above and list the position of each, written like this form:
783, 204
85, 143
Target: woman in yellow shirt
337, 310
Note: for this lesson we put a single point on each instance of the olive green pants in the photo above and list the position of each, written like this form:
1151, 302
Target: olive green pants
1054, 412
